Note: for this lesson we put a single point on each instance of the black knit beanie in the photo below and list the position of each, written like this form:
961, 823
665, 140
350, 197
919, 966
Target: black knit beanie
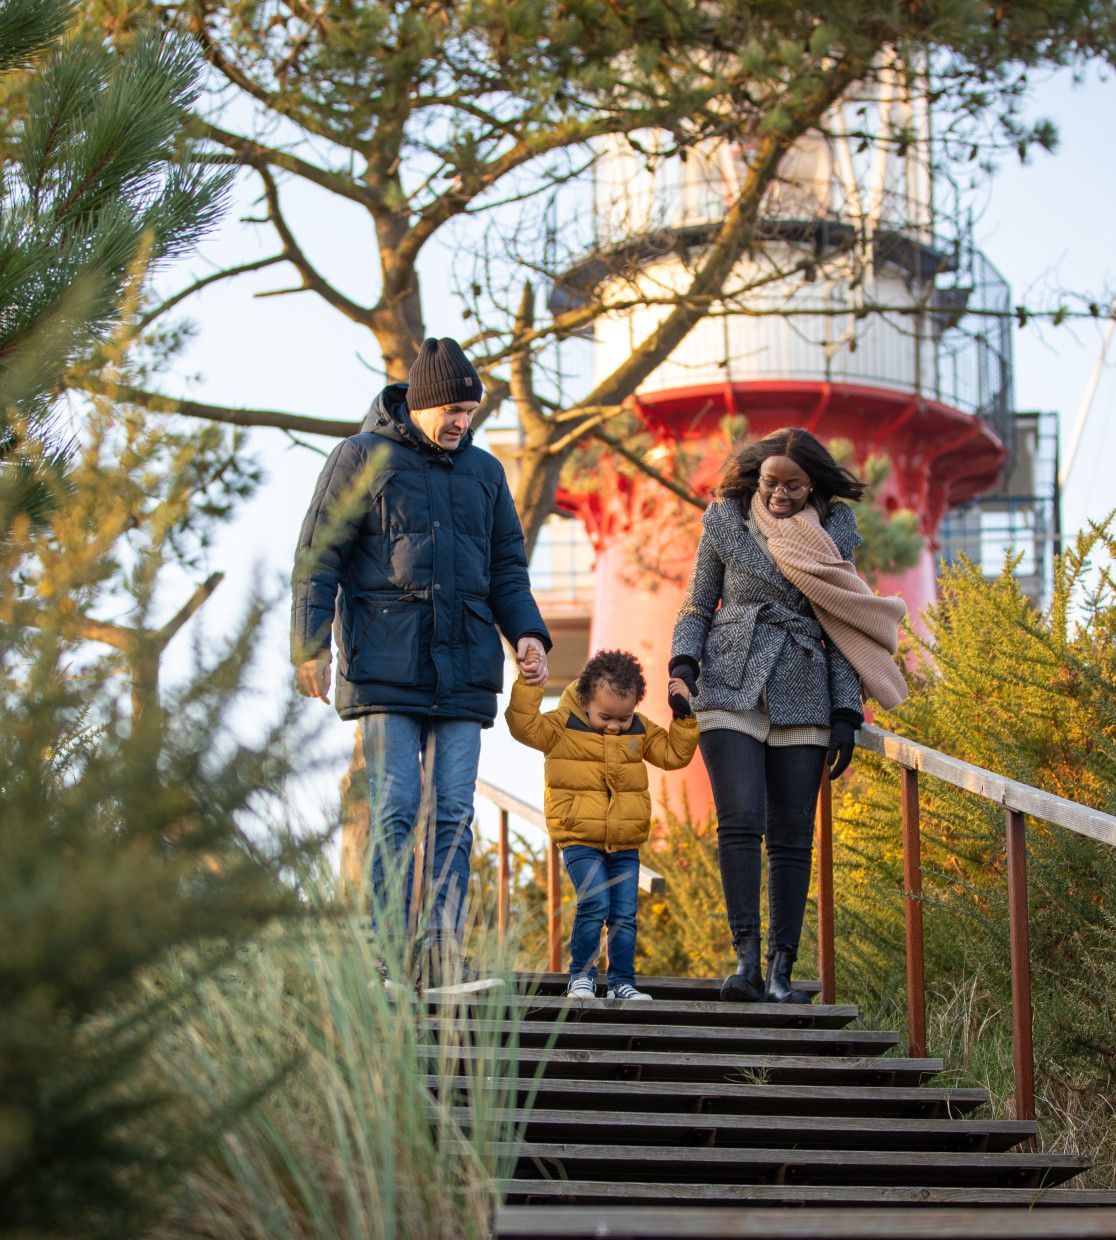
441, 375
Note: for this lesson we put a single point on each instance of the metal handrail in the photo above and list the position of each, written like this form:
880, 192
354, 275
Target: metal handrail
1018, 800
508, 804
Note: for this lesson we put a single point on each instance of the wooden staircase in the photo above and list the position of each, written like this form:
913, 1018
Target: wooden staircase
660, 1111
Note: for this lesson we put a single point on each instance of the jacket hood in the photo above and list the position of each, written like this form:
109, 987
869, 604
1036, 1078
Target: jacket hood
390, 417
571, 705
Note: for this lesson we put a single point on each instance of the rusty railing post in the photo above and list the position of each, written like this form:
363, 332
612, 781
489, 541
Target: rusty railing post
912, 898
824, 825
1020, 967
503, 879
553, 903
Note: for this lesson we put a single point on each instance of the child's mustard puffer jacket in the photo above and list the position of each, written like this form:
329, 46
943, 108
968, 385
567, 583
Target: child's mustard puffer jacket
596, 785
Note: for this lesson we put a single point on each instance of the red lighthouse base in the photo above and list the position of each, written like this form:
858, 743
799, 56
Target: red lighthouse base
646, 536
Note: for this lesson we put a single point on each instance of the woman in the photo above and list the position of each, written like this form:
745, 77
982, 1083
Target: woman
777, 637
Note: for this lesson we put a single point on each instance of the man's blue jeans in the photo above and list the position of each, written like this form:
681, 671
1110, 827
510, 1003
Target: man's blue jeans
397, 749
607, 885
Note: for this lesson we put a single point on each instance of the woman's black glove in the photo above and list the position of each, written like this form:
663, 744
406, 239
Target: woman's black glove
686, 672
842, 741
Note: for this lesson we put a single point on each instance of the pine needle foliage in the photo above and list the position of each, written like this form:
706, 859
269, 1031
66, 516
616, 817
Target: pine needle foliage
119, 843
94, 177
1030, 695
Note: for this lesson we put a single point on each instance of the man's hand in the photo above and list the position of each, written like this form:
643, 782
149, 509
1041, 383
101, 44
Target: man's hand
312, 678
530, 655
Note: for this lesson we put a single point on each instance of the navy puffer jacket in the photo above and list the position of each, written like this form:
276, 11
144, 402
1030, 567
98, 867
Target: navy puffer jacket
412, 555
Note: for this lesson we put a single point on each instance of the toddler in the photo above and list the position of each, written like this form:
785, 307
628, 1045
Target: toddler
598, 808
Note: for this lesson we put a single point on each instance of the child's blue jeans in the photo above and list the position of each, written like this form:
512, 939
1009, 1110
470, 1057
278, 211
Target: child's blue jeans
607, 885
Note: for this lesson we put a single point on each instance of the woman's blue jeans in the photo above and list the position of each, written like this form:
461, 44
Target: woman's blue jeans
396, 747
764, 791
607, 885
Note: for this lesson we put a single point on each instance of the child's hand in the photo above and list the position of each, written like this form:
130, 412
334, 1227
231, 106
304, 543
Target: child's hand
678, 698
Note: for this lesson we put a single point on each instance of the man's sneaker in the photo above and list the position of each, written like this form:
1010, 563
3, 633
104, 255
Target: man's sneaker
383, 981
581, 988
448, 973
626, 991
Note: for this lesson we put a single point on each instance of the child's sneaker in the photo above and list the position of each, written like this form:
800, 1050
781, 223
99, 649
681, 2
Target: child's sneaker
581, 988
627, 991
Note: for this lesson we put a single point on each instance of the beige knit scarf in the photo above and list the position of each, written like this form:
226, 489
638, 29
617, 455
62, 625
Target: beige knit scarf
863, 625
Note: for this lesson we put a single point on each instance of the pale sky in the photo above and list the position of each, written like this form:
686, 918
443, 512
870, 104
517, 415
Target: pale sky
1045, 225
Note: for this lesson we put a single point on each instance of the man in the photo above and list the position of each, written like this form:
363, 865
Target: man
413, 553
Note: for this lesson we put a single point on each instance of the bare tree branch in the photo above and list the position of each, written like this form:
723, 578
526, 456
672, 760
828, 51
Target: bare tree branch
227, 273
255, 154
157, 402
313, 279
192, 605
676, 488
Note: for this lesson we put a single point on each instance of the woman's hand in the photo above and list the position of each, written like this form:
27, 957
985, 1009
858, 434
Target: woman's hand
678, 697
842, 741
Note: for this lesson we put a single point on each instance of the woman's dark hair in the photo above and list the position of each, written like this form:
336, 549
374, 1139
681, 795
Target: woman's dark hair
618, 669
830, 479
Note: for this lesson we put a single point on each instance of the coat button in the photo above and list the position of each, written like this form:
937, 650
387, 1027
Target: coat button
434, 707
437, 525
437, 585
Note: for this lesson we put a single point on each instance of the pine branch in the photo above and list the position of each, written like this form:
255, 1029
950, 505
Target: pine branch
271, 100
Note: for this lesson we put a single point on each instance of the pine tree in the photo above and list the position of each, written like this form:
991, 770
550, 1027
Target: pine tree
97, 185
124, 845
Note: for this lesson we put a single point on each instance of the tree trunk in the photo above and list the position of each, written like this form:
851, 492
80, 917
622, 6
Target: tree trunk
397, 320
536, 489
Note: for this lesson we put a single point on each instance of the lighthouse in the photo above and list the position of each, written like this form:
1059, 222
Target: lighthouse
863, 314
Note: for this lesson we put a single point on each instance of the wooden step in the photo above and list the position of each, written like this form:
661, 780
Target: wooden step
699, 988
716, 1039
608, 1193
595, 1064
682, 1011
695, 1164
724, 1098
960, 1222
547, 1125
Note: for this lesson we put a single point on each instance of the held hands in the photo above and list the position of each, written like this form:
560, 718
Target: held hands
312, 678
530, 655
678, 698
681, 688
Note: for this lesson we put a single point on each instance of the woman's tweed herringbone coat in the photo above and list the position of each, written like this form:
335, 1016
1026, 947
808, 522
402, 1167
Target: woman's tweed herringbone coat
763, 640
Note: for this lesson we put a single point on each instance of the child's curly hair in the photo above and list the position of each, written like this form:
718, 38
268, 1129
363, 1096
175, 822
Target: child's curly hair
620, 670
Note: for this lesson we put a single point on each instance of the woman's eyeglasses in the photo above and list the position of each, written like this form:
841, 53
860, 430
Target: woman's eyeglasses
792, 490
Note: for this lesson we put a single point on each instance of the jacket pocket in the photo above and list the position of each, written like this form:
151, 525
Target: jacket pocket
484, 654
725, 657
386, 635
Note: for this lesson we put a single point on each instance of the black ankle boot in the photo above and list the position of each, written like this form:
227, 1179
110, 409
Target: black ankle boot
779, 988
746, 984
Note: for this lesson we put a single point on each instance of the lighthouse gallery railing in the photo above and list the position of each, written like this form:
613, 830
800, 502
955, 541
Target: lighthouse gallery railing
1018, 801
